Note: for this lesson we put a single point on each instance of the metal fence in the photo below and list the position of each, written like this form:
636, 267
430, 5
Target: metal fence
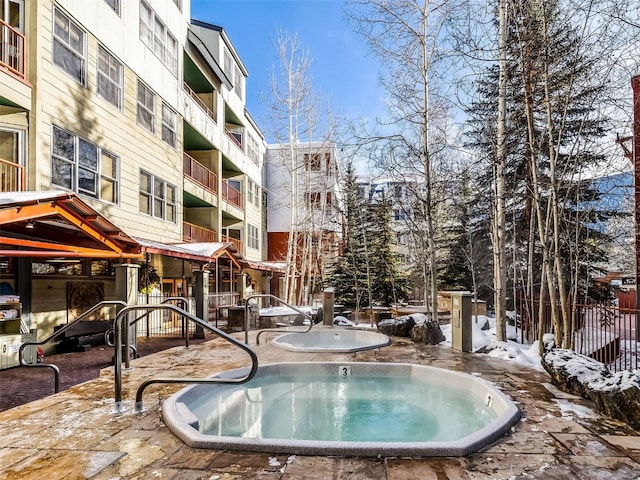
606, 332
161, 323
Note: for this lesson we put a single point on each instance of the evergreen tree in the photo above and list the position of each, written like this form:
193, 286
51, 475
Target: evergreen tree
388, 285
348, 273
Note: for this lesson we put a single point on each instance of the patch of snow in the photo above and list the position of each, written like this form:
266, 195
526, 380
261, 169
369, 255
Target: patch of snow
572, 410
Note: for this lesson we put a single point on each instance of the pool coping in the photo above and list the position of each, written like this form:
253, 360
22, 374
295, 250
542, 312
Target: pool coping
183, 423
383, 342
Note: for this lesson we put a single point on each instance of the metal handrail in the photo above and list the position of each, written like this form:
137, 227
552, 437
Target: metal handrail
267, 295
56, 370
118, 354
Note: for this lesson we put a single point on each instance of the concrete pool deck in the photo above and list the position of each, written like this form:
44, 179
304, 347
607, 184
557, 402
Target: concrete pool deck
76, 434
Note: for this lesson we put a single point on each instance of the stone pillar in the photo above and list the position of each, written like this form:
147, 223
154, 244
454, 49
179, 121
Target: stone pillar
328, 301
201, 296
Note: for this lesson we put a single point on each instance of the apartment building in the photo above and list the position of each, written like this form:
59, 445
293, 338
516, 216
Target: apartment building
400, 194
303, 196
124, 138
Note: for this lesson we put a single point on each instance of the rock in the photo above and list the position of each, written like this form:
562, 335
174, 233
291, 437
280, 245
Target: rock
427, 332
398, 327
616, 395
571, 371
483, 323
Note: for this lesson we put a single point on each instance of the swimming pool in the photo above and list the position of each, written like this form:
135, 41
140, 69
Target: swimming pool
343, 408
331, 340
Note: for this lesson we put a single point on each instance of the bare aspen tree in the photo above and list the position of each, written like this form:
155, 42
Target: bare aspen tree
407, 35
499, 221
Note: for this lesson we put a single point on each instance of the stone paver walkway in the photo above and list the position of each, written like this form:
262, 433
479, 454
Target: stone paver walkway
76, 434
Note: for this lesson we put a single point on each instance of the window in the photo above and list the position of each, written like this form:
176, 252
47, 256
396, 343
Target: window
228, 65
110, 78
312, 162
114, 4
252, 149
238, 82
81, 166
157, 197
69, 46
397, 191
178, 4
328, 163
312, 200
146, 107
155, 35
250, 191
169, 125
253, 237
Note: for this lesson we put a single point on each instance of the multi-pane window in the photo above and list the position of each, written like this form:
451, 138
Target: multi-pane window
312, 162
110, 77
397, 191
114, 4
81, 166
228, 64
313, 200
329, 163
169, 125
157, 197
69, 46
238, 82
146, 113
155, 35
253, 237
250, 191
252, 148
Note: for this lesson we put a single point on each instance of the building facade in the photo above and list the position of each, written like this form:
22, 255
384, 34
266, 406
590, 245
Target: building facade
138, 112
303, 215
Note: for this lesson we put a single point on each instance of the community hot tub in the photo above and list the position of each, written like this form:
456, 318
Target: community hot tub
331, 340
349, 408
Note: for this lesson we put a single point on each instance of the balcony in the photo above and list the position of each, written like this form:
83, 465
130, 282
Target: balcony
12, 51
195, 234
11, 176
199, 173
194, 96
235, 136
236, 243
232, 195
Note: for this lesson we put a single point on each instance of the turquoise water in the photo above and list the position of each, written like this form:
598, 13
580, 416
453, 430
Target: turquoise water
353, 408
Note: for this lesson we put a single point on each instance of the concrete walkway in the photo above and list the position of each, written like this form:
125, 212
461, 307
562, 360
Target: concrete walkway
76, 434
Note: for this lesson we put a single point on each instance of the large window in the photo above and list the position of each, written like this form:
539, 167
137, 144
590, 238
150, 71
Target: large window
81, 166
69, 46
110, 78
169, 125
253, 237
155, 35
312, 162
146, 113
157, 197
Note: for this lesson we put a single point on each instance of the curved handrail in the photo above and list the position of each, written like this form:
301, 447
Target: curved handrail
268, 295
56, 370
118, 353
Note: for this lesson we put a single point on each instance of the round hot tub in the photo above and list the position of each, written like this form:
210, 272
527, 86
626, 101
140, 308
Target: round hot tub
331, 340
348, 408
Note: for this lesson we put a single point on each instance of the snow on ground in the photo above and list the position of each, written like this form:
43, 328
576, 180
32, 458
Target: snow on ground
510, 350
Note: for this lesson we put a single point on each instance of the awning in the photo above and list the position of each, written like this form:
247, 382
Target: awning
275, 267
195, 252
59, 224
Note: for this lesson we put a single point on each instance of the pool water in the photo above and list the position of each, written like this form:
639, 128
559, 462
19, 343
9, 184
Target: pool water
342, 408
332, 340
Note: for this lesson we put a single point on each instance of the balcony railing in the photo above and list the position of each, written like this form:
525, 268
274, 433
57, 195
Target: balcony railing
12, 50
11, 176
199, 101
236, 243
232, 195
235, 137
199, 173
193, 233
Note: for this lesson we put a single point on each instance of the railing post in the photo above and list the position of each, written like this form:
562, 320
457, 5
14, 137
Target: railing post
127, 291
201, 295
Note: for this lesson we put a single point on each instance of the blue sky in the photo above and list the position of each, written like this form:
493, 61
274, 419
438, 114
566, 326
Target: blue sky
342, 71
